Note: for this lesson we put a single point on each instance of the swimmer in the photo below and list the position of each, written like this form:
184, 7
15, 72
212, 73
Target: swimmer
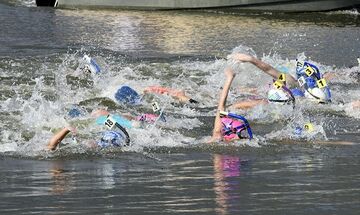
227, 126
116, 134
309, 83
128, 95
174, 93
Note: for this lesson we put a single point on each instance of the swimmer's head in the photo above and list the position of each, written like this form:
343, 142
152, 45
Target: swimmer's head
76, 111
310, 79
127, 95
307, 69
278, 95
112, 138
233, 129
317, 94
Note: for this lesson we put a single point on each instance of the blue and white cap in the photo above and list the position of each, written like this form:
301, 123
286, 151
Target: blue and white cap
112, 138
91, 65
116, 136
278, 95
311, 80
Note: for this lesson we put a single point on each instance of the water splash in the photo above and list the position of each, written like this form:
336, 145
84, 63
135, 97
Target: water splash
37, 106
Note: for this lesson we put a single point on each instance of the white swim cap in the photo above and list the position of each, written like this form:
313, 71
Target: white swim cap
278, 95
316, 94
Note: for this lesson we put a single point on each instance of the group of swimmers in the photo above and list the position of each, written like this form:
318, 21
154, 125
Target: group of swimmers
309, 83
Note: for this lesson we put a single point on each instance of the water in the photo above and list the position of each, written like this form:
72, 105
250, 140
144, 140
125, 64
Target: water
169, 168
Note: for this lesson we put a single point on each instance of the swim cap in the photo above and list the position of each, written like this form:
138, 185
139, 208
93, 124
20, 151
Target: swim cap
317, 94
74, 112
278, 95
92, 66
311, 80
112, 138
119, 119
127, 95
307, 69
151, 118
231, 128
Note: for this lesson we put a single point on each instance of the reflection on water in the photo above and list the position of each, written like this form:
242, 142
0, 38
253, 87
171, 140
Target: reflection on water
227, 181
155, 33
62, 179
306, 180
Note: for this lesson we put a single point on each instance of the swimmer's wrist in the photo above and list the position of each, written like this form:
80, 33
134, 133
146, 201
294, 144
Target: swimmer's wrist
71, 130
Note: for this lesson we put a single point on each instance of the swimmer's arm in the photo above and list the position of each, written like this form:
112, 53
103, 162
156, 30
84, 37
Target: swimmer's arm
244, 105
263, 66
251, 90
57, 138
216, 135
355, 104
330, 75
176, 94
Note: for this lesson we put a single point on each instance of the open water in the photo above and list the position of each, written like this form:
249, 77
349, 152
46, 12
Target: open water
170, 169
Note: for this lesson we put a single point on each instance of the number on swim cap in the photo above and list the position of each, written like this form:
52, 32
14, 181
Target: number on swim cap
309, 71
277, 84
155, 106
321, 83
110, 122
282, 77
301, 81
309, 127
299, 64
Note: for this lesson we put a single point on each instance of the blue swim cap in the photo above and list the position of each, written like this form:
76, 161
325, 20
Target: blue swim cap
111, 138
127, 95
76, 111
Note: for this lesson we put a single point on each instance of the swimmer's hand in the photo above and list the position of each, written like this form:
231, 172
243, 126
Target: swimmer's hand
58, 137
73, 130
240, 57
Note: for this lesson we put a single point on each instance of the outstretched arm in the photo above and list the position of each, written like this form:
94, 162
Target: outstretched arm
263, 66
176, 94
57, 138
216, 135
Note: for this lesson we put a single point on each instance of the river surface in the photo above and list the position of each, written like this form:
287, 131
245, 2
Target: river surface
169, 169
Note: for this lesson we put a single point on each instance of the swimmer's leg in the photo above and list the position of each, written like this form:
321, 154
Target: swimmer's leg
216, 135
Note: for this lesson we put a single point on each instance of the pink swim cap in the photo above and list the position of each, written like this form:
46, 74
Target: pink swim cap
231, 128
147, 117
